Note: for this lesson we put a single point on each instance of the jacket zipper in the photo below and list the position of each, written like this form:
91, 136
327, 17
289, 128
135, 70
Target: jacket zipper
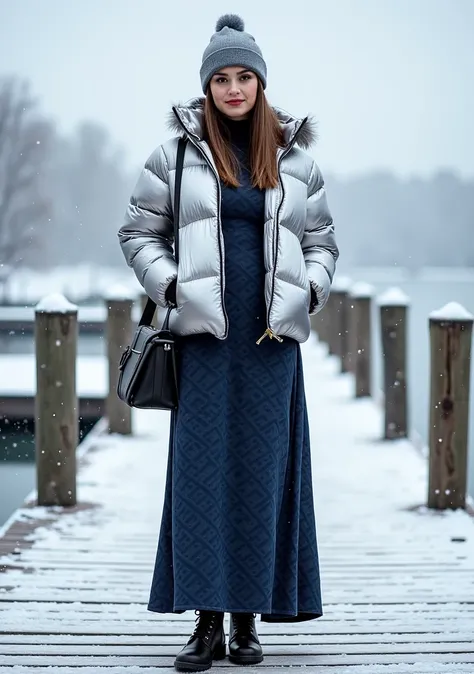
219, 224
269, 332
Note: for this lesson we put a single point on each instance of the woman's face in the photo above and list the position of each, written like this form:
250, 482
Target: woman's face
234, 91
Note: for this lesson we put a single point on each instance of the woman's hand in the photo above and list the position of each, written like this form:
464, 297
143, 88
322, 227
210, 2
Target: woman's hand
170, 294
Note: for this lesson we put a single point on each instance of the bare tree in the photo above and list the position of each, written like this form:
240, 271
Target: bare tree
24, 141
91, 191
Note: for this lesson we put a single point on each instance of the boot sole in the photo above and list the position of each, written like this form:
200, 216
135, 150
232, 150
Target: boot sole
219, 654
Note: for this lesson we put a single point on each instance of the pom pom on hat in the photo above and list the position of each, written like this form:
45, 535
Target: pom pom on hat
230, 21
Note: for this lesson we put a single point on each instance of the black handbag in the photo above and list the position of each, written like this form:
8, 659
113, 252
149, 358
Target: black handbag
148, 373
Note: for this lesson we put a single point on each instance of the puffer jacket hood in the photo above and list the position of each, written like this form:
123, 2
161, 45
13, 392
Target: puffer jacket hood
191, 114
300, 250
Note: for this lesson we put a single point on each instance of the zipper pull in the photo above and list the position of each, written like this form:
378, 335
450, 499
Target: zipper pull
271, 334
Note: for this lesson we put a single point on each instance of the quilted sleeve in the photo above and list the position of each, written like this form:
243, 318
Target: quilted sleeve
319, 244
146, 235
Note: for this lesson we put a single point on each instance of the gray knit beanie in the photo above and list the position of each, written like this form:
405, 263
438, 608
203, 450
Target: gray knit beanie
231, 46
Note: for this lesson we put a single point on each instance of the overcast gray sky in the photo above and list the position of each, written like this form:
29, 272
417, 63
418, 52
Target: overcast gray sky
390, 81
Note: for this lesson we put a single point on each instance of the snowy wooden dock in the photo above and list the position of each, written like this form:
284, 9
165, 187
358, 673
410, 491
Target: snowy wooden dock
397, 580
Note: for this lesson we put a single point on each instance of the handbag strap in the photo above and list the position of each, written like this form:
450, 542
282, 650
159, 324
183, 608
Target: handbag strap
150, 306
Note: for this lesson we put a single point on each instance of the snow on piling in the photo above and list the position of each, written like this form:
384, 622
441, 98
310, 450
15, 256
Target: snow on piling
119, 291
341, 284
393, 297
452, 311
362, 290
55, 303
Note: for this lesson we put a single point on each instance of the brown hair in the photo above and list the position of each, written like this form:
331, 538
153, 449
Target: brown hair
266, 137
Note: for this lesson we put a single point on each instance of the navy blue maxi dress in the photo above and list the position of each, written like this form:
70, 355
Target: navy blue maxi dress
238, 529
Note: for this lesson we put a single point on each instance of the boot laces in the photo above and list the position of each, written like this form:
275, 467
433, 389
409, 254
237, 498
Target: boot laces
204, 625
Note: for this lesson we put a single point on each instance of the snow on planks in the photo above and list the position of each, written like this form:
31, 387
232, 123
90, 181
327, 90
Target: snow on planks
398, 581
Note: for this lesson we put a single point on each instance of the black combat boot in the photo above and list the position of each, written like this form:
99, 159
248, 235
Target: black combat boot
207, 643
244, 646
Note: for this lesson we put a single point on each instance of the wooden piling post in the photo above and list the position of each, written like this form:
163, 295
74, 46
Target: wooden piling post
318, 325
361, 338
56, 405
349, 358
119, 330
393, 320
322, 325
330, 329
340, 318
336, 317
450, 346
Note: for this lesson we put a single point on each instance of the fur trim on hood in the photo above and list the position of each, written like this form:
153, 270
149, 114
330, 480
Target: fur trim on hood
189, 116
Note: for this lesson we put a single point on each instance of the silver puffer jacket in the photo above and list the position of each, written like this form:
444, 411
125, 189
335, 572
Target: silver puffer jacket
300, 250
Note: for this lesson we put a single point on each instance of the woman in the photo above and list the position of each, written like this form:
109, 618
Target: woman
257, 257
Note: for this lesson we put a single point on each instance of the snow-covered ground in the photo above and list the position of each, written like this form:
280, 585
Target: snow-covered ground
397, 580
18, 376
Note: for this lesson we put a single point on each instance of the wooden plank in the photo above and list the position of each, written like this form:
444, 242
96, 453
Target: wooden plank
411, 555
90, 560
25, 559
277, 660
446, 551
129, 573
288, 639
433, 668
332, 612
133, 628
383, 583
276, 645
96, 597
22, 562
377, 620
362, 562
87, 544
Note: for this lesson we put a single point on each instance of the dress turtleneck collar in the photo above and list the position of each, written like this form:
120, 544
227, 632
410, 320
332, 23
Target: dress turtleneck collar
239, 131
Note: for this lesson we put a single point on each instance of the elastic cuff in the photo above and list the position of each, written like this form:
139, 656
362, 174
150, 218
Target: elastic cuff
314, 300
